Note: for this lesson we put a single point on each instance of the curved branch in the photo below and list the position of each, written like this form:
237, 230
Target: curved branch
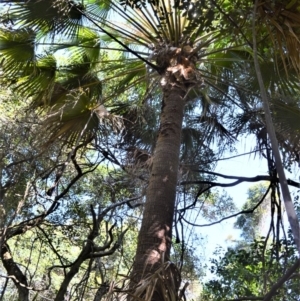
15, 273
232, 157
238, 180
232, 215
246, 298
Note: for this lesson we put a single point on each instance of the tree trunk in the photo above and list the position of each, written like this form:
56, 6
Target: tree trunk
101, 291
60, 296
154, 239
14, 271
289, 206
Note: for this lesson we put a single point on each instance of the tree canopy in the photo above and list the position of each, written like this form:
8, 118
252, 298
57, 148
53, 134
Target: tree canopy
114, 115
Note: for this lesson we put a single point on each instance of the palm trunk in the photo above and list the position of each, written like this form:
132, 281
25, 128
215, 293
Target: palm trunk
154, 240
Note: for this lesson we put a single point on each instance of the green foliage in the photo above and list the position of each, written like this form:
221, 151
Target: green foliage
250, 272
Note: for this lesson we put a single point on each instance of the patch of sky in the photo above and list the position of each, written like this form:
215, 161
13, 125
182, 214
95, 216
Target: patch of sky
224, 234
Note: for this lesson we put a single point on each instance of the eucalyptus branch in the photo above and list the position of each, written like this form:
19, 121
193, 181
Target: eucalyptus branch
73, 181
3, 233
37, 220
223, 159
52, 247
238, 181
207, 185
112, 249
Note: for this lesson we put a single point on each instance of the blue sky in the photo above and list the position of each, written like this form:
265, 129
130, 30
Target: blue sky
223, 234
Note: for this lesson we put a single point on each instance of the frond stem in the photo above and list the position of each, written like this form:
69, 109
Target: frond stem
155, 67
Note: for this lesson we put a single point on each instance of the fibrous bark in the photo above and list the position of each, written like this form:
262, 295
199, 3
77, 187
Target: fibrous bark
154, 238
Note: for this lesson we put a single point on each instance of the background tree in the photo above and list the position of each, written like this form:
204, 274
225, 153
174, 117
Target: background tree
250, 268
252, 226
250, 273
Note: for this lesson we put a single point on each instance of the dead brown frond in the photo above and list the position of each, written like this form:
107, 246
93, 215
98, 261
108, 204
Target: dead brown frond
163, 285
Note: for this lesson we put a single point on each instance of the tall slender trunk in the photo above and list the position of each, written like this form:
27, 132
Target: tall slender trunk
289, 206
154, 240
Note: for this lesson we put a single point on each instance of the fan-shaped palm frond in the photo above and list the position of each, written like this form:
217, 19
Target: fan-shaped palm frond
52, 16
17, 51
140, 124
282, 22
286, 115
145, 34
77, 117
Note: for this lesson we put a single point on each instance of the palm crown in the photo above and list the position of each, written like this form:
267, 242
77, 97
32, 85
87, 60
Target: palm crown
78, 47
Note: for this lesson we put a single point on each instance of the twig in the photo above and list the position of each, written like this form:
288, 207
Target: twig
245, 298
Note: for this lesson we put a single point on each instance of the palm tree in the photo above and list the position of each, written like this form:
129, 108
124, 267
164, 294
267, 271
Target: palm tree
169, 51
169, 45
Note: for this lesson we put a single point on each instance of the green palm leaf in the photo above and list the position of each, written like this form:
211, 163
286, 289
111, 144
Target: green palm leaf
104, 56
48, 16
17, 51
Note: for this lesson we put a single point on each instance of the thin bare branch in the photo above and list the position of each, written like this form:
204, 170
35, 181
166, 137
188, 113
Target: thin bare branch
232, 215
